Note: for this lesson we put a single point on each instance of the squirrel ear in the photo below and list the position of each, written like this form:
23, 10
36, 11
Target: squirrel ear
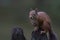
31, 9
36, 9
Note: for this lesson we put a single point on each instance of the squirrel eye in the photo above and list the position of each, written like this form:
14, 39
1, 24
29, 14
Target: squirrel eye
31, 17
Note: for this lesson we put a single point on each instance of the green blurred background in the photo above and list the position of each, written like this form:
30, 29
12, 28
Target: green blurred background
15, 12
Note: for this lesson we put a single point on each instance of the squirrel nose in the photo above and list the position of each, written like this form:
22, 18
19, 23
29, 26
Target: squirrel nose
35, 24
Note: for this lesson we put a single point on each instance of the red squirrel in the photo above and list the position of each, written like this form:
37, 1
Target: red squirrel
40, 19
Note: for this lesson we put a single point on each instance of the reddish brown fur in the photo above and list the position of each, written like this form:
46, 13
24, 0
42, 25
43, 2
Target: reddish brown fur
42, 16
42, 20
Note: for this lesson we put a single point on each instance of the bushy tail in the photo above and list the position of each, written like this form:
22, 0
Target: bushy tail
52, 36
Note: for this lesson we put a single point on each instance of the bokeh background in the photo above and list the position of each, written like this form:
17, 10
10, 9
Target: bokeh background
15, 12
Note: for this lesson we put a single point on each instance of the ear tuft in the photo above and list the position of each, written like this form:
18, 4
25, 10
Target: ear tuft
31, 9
36, 8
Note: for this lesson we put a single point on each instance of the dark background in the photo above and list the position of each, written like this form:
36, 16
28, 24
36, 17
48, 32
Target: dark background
15, 12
